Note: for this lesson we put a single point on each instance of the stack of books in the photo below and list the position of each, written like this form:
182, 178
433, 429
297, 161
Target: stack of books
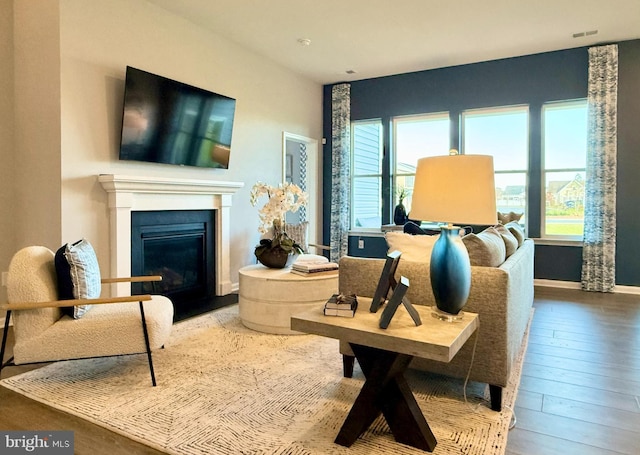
341, 305
314, 268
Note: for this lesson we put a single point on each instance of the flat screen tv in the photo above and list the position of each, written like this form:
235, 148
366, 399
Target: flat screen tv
166, 121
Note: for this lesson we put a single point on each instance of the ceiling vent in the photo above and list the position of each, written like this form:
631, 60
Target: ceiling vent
588, 33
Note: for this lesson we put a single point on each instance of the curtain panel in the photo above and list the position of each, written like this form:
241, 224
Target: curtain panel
598, 253
340, 170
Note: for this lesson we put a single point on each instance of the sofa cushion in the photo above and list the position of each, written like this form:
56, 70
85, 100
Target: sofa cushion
510, 242
485, 249
517, 231
414, 248
77, 270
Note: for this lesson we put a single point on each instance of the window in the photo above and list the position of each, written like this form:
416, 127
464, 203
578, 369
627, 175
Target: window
504, 134
366, 165
416, 137
564, 158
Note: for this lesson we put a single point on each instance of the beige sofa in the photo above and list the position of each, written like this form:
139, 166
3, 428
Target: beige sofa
502, 296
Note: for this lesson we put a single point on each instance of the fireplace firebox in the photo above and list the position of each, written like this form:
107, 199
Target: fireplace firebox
179, 246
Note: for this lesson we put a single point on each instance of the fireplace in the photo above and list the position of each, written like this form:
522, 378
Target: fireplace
130, 194
179, 246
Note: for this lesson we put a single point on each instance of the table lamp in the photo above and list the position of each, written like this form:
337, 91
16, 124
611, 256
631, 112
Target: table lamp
453, 189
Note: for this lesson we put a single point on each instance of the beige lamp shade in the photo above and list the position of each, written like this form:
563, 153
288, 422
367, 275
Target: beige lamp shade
456, 189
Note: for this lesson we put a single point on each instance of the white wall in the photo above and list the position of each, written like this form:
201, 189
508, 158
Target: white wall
98, 40
6, 137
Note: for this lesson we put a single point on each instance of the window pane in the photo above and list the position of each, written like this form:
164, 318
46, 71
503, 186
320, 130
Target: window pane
564, 203
511, 193
565, 135
367, 148
366, 184
564, 163
417, 137
366, 206
502, 133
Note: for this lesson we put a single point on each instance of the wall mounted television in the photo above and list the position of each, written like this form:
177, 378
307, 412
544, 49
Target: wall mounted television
166, 121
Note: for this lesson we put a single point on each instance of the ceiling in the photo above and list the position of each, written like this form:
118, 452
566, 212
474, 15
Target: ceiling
381, 37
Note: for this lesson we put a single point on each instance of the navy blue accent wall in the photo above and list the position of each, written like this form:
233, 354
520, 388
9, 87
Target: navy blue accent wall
531, 80
374, 247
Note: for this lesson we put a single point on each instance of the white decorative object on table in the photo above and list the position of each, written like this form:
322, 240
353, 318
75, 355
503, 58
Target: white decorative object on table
287, 197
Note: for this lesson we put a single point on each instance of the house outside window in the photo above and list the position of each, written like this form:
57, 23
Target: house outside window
366, 175
564, 159
502, 132
415, 137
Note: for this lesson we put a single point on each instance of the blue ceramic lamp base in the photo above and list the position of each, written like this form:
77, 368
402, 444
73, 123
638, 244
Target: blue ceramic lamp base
450, 272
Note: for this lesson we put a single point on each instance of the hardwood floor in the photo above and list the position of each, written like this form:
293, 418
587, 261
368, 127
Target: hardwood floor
580, 386
579, 393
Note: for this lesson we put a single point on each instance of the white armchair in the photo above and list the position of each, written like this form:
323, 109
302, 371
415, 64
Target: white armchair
113, 326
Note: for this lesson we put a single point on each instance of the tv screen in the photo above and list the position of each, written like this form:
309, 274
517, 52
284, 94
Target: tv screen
166, 121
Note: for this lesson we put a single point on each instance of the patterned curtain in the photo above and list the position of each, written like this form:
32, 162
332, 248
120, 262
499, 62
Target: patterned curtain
340, 169
598, 253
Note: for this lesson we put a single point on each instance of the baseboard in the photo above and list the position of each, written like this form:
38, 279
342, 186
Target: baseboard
627, 290
574, 285
557, 284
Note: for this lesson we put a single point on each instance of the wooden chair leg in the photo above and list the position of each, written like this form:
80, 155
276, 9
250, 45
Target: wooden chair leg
347, 365
495, 392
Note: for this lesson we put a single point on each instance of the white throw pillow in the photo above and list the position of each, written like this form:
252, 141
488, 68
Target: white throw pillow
414, 248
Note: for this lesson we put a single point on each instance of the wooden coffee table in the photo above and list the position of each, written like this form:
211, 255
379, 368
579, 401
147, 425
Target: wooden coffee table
384, 355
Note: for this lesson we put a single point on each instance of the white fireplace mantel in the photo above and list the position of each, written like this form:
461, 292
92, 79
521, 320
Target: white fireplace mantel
136, 193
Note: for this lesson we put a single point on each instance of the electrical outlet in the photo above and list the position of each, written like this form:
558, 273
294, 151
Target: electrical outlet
5, 275
360, 243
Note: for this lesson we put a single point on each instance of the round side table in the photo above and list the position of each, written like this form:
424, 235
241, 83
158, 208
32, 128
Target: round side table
269, 297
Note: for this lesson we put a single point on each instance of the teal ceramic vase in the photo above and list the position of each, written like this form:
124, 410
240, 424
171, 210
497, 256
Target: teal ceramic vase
450, 271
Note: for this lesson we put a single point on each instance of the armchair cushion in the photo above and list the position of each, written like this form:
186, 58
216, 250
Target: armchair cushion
77, 269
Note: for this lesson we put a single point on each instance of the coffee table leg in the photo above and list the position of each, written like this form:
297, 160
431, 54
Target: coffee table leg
386, 390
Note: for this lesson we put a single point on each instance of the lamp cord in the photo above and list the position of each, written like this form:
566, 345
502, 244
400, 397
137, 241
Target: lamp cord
475, 408
466, 379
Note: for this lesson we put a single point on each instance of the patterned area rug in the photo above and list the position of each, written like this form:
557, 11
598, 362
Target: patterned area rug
225, 389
